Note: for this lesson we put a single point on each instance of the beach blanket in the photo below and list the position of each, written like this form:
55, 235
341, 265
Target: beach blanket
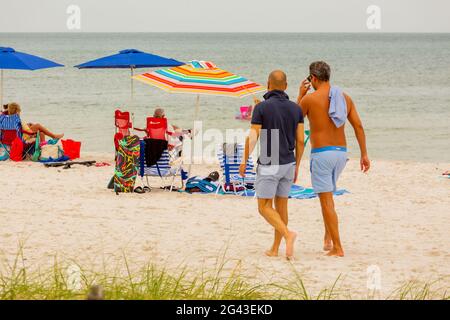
299, 192
127, 163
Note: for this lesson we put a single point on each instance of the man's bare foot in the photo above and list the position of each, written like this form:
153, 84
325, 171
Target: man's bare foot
327, 245
290, 241
335, 253
59, 136
272, 253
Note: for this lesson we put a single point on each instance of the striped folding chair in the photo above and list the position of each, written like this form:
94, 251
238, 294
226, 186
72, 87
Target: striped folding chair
164, 168
10, 128
230, 157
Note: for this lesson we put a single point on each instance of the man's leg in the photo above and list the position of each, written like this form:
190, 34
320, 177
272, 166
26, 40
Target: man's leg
281, 206
331, 221
327, 242
273, 217
35, 127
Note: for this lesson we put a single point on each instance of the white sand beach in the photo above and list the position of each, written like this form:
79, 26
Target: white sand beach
396, 217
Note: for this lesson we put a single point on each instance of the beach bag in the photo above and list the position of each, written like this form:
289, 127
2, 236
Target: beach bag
127, 163
51, 151
4, 152
71, 148
16, 150
199, 185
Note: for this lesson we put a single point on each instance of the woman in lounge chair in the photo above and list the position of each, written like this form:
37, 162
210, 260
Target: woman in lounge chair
14, 108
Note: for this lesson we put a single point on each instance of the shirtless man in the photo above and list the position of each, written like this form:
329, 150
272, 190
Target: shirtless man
328, 146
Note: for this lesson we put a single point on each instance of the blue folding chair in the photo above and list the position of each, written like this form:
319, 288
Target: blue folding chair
230, 157
162, 169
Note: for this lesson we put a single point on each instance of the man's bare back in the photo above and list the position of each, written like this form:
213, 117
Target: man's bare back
323, 130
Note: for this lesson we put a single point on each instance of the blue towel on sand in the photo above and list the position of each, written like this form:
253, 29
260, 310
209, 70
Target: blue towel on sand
299, 192
60, 159
338, 106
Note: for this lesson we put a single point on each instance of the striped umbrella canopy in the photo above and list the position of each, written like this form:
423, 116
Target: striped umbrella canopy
201, 77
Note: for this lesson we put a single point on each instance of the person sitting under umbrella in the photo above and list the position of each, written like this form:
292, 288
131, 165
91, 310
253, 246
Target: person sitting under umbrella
14, 108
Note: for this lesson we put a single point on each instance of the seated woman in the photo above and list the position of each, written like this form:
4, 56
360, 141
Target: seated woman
174, 134
159, 113
171, 130
32, 128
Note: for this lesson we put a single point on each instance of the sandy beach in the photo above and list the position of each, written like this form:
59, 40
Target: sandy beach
396, 217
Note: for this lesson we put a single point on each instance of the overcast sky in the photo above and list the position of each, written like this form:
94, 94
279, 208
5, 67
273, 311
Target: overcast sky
225, 15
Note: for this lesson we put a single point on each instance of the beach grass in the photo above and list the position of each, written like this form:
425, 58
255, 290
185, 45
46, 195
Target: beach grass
71, 281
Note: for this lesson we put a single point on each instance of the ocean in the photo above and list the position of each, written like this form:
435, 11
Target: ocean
400, 83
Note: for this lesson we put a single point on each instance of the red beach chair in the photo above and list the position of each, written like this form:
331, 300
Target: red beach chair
11, 137
123, 125
157, 128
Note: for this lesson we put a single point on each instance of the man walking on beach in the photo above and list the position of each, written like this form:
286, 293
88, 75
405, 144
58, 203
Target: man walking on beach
327, 110
278, 122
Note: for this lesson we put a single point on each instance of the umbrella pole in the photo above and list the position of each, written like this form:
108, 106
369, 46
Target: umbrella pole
132, 95
1, 88
194, 134
132, 84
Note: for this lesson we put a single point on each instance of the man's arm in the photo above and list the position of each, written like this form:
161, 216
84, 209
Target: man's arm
299, 147
302, 99
250, 143
356, 123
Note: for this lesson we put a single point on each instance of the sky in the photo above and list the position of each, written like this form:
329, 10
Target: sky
224, 16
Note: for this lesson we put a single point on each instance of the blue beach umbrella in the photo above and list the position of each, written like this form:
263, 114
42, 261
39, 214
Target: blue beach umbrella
130, 59
14, 60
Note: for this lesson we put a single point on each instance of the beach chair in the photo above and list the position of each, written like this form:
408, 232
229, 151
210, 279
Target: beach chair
10, 129
231, 179
123, 124
170, 163
165, 168
230, 156
157, 128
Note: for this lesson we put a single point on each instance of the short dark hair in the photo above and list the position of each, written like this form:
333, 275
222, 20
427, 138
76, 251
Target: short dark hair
321, 70
5, 107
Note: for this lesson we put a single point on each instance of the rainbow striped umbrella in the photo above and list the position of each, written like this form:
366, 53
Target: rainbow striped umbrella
200, 77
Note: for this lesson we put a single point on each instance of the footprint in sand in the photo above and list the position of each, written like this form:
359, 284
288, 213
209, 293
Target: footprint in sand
433, 253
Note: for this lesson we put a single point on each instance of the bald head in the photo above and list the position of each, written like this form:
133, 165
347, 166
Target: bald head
277, 80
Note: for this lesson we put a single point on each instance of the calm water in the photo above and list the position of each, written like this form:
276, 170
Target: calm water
399, 82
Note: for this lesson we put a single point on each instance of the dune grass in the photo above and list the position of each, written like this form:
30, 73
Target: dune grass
151, 282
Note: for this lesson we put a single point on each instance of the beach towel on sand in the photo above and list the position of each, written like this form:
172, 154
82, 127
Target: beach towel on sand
299, 192
127, 163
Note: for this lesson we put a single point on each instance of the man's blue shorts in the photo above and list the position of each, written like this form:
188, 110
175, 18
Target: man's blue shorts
326, 165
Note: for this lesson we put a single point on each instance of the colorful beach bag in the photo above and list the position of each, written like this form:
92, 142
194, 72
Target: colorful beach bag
127, 162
